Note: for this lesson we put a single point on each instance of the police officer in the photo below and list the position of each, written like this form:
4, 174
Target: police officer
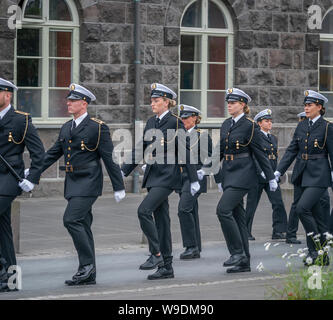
311, 145
270, 145
16, 133
293, 218
160, 178
201, 146
83, 141
239, 139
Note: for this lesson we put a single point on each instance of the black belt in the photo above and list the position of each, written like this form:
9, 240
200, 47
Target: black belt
70, 168
306, 156
234, 156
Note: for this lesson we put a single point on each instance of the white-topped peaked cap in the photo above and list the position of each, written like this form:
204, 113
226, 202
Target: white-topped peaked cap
234, 94
301, 115
160, 90
186, 111
264, 114
6, 85
313, 96
78, 92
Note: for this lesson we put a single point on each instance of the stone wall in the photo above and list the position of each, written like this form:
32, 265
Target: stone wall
275, 59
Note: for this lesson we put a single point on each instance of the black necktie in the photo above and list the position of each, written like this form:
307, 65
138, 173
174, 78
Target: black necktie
269, 136
310, 124
73, 125
157, 123
232, 123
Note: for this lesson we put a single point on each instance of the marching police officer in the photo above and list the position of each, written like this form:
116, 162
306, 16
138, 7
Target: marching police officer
270, 145
201, 145
311, 145
161, 179
83, 141
16, 133
239, 139
293, 218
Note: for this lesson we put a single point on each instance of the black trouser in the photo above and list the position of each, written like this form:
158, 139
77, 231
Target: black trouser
231, 214
78, 219
310, 212
7, 250
279, 215
157, 229
294, 219
189, 219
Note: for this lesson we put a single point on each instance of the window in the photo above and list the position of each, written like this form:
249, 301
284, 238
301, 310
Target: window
326, 61
206, 58
47, 58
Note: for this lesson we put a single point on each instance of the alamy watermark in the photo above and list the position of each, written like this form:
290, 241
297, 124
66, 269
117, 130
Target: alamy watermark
315, 17
15, 19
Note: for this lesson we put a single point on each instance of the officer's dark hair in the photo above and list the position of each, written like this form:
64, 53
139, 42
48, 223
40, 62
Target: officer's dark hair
246, 109
322, 110
198, 120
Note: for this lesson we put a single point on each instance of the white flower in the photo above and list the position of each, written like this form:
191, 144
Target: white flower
299, 251
330, 242
327, 248
260, 267
317, 236
328, 236
309, 260
267, 245
288, 264
304, 249
320, 252
284, 255
302, 255
317, 240
293, 255
276, 244
310, 234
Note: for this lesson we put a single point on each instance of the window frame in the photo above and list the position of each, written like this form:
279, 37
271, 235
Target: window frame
46, 26
205, 32
327, 37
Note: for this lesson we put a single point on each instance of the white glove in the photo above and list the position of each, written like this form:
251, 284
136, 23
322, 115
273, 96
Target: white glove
219, 185
262, 174
200, 174
273, 185
119, 195
123, 174
195, 187
277, 175
26, 172
26, 185
144, 168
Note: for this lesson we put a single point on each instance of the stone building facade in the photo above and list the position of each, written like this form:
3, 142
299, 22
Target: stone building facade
275, 58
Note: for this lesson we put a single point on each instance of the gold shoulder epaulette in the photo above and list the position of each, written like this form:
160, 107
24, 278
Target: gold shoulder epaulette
198, 130
21, 112
249, 119
97, 120
176, 116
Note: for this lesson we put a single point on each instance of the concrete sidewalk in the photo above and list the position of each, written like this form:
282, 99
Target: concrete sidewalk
116, 225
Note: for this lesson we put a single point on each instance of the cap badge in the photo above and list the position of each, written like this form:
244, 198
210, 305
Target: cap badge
230, 90
269, 111
153, 86
181, 107
72, 87
306, 93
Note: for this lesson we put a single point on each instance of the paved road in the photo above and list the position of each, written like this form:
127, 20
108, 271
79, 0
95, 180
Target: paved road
119, 277
47, 256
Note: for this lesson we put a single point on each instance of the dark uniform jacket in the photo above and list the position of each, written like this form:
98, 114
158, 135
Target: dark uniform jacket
311, 148
82, 148
16, 133
201, 144
271, 149
243, 137
163, 175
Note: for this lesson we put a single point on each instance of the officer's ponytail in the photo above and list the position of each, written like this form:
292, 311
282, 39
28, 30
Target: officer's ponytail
172, 103
198, 120
246, 109
322, 110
